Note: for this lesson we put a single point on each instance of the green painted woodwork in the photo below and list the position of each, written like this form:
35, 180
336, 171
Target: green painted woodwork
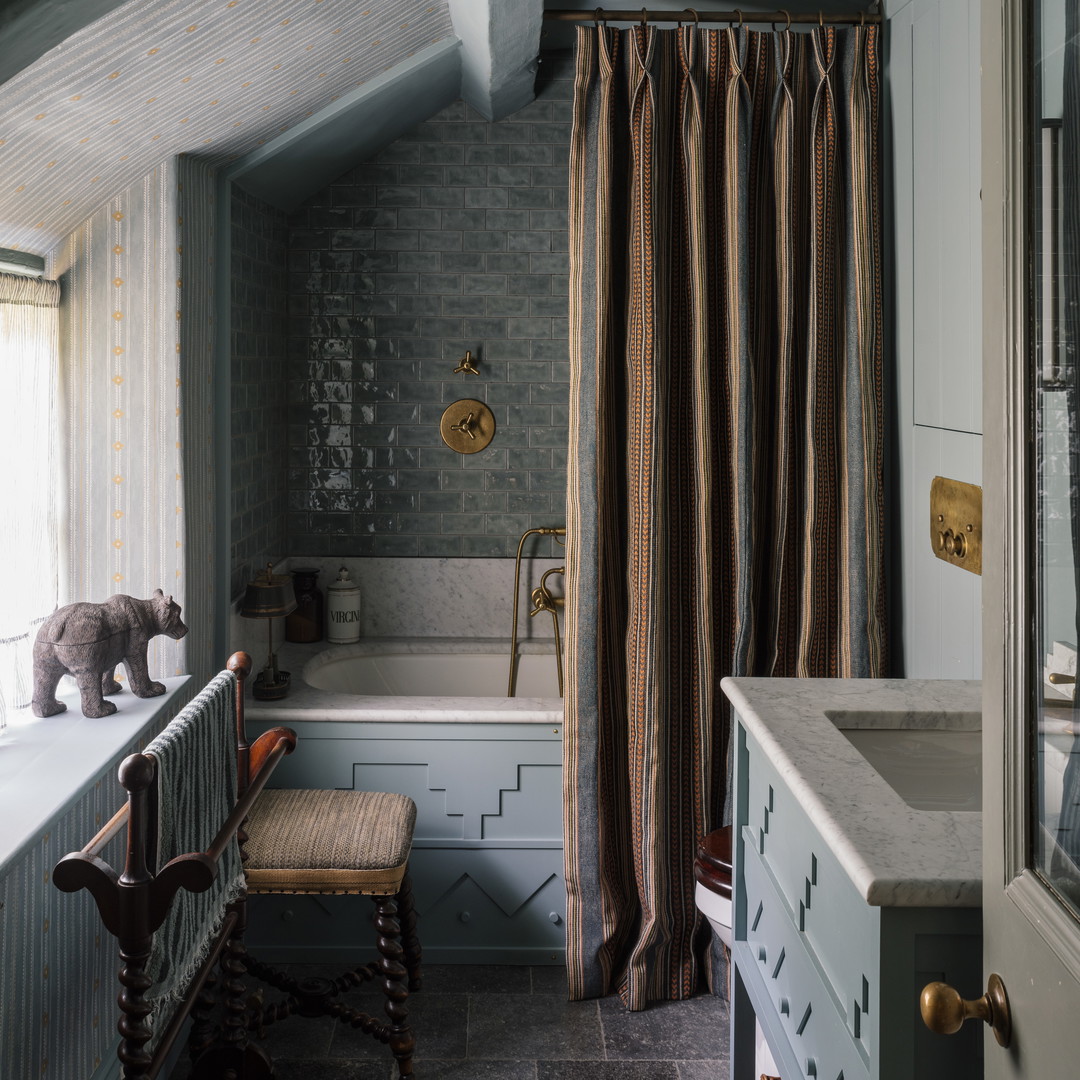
486, 864
833, 981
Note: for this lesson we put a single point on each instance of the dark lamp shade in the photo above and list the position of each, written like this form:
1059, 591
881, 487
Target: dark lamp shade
269, 596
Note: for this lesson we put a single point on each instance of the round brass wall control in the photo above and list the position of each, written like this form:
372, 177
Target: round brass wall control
467, 426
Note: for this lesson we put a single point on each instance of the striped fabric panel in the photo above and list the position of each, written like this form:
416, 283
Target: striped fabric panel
725, 498
195, 756
137, 362
120, 274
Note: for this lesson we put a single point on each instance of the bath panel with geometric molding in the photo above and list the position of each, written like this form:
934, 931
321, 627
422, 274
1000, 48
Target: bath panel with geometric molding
487, 862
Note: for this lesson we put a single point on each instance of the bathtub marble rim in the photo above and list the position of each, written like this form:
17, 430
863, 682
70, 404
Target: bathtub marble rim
308, 703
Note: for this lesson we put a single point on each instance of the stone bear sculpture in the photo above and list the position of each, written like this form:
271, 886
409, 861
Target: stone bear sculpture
89, 640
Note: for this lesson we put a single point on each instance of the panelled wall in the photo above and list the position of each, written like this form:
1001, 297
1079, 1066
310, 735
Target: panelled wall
453, 239
933, 80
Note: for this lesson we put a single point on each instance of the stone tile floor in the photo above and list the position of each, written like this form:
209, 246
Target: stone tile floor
510, 1023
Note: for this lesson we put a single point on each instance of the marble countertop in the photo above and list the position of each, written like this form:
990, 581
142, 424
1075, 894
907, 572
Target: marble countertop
895, 855
307, 703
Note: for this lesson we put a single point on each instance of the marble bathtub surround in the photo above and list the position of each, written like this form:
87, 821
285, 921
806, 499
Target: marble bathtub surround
894, 854
451, 598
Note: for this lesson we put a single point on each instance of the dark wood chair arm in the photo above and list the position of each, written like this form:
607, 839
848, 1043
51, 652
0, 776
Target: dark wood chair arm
264, 746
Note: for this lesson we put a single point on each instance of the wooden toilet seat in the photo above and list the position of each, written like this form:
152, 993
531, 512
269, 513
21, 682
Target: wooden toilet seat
712, 867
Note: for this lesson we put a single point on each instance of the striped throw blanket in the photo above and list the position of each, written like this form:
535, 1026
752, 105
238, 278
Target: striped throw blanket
196, 768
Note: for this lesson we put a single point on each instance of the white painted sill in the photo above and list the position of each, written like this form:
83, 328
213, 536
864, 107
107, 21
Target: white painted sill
47, 764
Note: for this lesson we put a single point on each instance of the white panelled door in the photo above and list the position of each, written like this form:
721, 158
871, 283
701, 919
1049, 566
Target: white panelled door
1031, 734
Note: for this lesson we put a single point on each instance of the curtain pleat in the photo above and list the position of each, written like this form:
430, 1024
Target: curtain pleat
724, 507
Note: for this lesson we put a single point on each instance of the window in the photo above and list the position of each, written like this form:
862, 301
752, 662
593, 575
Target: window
30, 488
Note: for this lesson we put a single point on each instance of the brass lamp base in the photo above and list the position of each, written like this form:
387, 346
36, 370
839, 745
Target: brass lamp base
264, 689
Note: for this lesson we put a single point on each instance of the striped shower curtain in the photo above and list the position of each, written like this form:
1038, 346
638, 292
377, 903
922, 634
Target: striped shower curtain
725, 491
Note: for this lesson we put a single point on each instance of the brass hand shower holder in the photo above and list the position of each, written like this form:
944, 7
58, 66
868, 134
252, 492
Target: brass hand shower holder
542, 599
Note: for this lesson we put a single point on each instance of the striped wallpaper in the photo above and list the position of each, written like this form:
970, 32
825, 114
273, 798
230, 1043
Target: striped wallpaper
155, 78
58, 971
137, 364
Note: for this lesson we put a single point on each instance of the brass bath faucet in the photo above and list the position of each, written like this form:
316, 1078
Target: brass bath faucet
543, 600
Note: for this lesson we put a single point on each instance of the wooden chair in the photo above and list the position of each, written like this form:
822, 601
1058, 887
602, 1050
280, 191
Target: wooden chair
290, 842
332, 843
134, 904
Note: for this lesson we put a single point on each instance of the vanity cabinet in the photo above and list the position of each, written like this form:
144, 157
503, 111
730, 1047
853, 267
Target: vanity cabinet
486, 862
832, 979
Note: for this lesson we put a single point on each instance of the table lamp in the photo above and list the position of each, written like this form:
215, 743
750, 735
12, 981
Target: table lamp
268, 597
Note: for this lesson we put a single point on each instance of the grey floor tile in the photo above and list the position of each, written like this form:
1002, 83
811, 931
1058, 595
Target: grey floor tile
606, 1070
666, 1030
475, 1070
321, 1069
539, 1027
438, 1022
706, 1069
474, 979
298, 1037
549, 980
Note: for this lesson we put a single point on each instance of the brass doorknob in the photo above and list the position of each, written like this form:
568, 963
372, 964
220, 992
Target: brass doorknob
944, 1010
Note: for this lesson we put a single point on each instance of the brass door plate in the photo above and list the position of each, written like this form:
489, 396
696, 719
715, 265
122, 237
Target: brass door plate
467, 426
956, 523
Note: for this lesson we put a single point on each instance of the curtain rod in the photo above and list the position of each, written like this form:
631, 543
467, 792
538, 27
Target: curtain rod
690, 15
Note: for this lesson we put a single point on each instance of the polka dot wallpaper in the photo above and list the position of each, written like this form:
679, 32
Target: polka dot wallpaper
211, 78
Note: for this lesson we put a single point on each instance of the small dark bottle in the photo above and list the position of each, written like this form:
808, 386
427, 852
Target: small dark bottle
306, 622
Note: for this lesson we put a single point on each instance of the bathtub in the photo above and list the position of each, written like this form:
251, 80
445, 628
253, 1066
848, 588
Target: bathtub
429, 718
416, 679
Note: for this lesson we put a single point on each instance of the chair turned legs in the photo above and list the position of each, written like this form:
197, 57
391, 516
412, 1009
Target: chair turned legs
395, 986
409, 938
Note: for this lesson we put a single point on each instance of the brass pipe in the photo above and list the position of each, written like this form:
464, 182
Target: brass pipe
545, 531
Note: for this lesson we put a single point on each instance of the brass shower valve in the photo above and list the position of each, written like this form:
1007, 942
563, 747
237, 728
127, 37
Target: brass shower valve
467, 364
467, 426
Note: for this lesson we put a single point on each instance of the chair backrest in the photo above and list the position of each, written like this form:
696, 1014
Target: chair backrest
134, 904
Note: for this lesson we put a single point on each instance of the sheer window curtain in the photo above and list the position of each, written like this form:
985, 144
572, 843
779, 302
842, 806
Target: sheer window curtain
30, 487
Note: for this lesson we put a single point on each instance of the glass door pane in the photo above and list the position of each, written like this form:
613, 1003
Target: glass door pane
1054, 843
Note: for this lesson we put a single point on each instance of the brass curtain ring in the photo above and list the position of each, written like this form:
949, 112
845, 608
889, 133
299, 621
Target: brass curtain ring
739, 13
862, 18
787, 15
694, 13
821, 20
644, 17
599, 18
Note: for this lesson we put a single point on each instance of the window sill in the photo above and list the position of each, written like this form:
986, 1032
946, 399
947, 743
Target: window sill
46, 764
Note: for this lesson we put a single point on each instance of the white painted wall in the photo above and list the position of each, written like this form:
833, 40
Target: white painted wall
933, 90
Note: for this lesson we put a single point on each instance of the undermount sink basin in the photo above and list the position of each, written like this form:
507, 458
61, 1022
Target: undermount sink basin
932, 762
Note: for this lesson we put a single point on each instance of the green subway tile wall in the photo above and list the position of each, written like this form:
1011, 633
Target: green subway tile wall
452, 239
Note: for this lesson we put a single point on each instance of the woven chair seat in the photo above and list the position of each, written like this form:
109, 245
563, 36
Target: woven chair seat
315, 841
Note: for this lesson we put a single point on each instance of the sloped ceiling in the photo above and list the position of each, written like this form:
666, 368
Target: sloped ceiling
154, 78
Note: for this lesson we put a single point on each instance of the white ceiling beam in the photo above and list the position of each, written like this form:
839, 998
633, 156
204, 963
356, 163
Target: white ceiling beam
500, 43
311, 154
